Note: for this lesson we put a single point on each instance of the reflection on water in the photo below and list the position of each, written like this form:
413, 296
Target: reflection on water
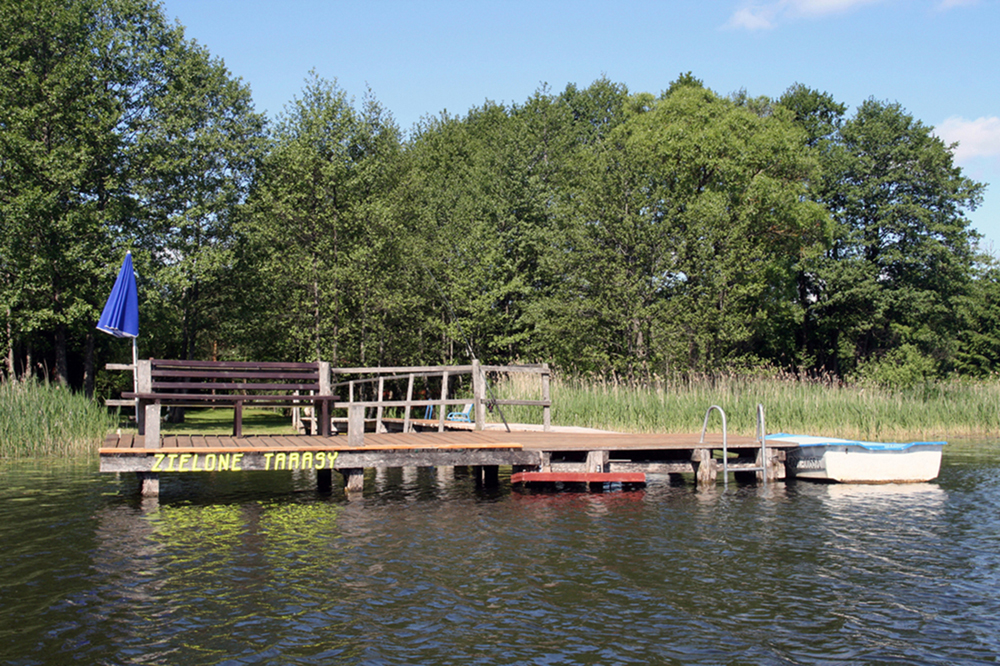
428, 568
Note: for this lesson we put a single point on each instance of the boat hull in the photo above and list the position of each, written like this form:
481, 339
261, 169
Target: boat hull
848, 461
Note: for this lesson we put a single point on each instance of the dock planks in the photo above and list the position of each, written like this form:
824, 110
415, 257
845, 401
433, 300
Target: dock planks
131, 444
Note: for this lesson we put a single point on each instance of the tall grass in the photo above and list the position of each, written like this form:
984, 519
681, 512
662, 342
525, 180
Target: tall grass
40, 419
933, 411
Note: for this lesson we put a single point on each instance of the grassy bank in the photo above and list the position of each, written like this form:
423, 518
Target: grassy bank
934, 411
39, 419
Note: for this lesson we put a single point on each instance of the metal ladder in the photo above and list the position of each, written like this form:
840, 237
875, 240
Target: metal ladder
761, 437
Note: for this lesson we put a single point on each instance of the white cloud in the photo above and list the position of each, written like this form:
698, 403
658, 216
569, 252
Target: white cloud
765, 15
821, 7
976, 138
945, 5
751, 18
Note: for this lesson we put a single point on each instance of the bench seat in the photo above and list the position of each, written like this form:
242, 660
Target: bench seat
223, 384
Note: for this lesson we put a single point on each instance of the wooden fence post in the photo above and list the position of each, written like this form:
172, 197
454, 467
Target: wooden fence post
355, 425
547, 408
325, 388
333, 383
444, 396
378, 410
409, 398
706, 471
478, 394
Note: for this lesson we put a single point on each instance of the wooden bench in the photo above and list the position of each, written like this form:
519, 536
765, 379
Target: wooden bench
228, 384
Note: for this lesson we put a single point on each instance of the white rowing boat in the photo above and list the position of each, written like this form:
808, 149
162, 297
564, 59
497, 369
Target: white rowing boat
853, 461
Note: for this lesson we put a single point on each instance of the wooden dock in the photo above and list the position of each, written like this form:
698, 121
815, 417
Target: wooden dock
607, 457
355, 428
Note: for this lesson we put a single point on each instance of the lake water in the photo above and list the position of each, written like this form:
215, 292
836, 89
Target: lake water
257, 568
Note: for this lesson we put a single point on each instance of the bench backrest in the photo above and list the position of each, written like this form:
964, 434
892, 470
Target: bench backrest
196, 376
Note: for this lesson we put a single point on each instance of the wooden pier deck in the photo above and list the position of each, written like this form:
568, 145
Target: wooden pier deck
544, 455
556, 453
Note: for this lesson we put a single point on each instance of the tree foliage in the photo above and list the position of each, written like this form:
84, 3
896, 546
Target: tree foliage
117, 133
323, 246
601, 230
903, 251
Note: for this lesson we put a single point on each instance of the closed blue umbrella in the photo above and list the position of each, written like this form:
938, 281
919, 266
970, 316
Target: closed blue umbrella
121, 313
120, 317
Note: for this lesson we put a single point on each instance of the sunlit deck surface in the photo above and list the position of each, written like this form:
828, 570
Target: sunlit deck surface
557, 456
131, 444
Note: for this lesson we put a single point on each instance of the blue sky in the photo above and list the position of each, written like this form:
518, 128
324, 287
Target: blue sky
938, 58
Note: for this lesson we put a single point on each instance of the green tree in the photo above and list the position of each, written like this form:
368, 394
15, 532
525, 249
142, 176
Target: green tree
321, 231
471, 206
54, 128
978, 352
116, 133
903, 251
689, 219
483, 194
818, 113
200, 146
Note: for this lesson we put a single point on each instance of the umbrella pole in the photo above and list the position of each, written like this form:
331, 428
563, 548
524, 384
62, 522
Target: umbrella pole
135, 370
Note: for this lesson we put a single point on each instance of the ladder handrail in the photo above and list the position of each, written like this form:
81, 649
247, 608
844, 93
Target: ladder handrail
725, 443
761, 437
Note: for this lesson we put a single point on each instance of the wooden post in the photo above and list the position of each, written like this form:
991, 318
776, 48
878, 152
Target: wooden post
333, 382
147, 416
322, 412
597, 461
706, 471
355, 425
478, 395
488, 475
324, 480
409, 398
325, 383
775, 466
151, 420
354, 479
143, 384
149, 483
444, 396
150, 425
238, 419
546, 409
378, 411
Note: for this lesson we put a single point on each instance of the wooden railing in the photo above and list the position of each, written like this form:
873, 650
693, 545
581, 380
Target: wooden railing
375, 379
481, 394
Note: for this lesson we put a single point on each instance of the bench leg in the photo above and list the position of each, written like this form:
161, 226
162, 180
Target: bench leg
238, 419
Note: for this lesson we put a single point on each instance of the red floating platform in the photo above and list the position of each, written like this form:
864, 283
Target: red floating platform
578, 477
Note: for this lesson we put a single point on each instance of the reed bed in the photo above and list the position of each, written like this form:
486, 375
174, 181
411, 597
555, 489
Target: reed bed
42, 420
939, 410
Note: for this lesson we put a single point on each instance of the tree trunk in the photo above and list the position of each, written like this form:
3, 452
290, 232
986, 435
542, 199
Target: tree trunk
11, 370
29, 370
88, 367
62, 364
